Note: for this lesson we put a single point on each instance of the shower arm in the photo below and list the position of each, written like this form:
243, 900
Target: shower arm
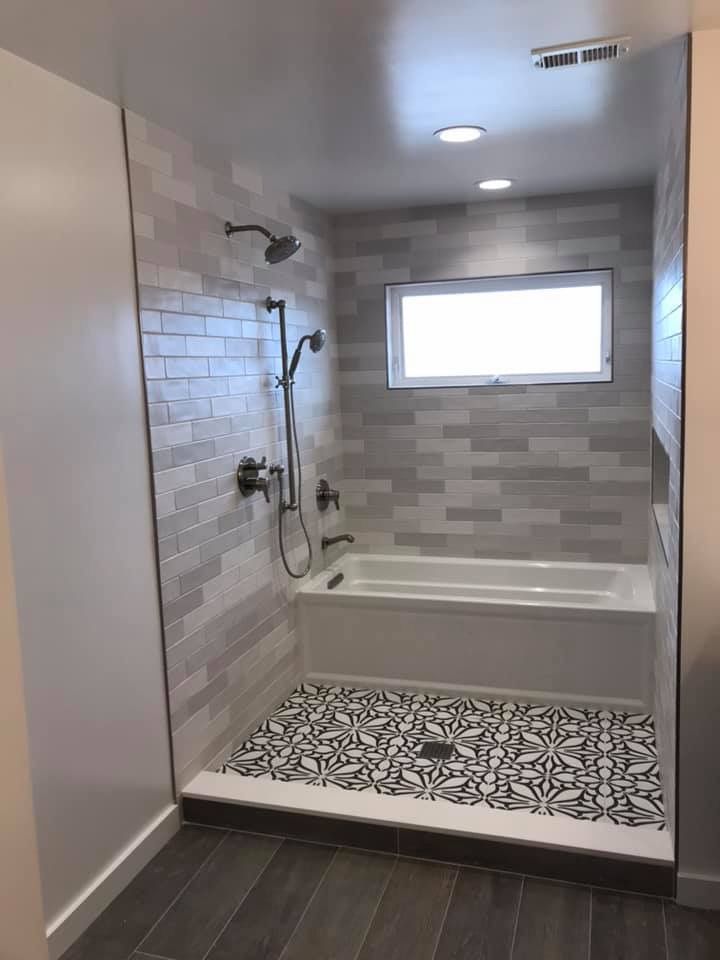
244, 228
285, 382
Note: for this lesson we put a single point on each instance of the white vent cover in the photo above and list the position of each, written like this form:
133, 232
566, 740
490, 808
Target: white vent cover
601, 50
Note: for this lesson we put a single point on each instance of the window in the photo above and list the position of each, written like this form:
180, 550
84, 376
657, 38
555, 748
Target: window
542, 328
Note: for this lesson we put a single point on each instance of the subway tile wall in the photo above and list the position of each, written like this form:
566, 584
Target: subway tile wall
211, 352
667, 385
544, 472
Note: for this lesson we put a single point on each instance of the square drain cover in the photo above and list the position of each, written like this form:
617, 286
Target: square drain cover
436, 750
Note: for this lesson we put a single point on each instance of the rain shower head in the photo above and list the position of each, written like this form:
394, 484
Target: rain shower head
317, 342
279, 248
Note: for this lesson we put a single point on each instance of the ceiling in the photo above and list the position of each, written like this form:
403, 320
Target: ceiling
336, 100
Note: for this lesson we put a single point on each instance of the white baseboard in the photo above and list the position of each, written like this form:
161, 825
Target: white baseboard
698, 890
481, 693
67, 926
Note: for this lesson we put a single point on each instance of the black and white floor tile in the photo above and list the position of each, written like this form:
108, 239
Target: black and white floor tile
557, 761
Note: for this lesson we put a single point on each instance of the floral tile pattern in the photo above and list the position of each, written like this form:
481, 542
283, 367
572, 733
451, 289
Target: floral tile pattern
557, 761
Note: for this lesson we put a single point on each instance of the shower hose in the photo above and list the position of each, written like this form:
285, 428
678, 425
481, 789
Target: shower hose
297, 575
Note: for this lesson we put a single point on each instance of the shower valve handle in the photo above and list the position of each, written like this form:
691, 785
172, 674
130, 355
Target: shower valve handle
325, 495
249, 479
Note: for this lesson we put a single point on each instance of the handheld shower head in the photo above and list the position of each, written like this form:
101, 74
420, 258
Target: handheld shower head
279, 248
317, 342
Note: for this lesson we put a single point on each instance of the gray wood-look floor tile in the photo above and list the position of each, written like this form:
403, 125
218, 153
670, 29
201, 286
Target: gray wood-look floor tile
480, 921
692, 934
267, 917
120, 928
411, 912
335, 924
553, 923
191, 926
625, 927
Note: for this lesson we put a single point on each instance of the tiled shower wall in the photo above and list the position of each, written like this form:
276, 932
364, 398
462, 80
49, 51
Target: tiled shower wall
547, 472
211, 354
667, 353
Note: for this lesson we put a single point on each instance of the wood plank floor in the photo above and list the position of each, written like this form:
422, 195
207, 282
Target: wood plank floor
217, 895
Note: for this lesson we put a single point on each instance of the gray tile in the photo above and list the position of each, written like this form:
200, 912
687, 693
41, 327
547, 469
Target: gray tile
626, 926
182, 323
692, 933
205, 346
192, 452
186, 367
154, 298
338, 917
163, 345
198, 916
554, 922
201, 574
481, 917
120, 928
189, 410
405, 926
182, 606
224, 327
201, 304
261, 927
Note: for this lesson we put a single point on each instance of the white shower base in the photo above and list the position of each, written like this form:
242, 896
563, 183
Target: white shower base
569, 633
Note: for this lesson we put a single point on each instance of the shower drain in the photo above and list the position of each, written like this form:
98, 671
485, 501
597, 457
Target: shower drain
436, 750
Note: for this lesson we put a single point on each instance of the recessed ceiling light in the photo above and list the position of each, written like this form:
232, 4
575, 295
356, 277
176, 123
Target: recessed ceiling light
460, 134
499, 183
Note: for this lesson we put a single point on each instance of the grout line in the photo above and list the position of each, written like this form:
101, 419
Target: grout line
665, 930
517, 918
243, 899
590, 919
445, 914
178, 895
377, 907
308, 904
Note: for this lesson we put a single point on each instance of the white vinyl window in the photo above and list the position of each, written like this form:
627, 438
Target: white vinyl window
541, 328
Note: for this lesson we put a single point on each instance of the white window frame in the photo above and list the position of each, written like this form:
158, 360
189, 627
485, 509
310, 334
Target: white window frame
394, 293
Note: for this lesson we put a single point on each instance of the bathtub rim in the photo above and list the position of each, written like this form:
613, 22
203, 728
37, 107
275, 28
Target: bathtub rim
642, 606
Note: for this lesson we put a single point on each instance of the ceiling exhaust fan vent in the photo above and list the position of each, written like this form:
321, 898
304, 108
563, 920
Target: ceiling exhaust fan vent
602, 50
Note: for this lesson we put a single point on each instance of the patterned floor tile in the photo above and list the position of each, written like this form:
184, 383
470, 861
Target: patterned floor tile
556, 761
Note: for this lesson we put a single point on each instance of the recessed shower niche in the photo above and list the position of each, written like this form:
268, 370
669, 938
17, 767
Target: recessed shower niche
661, 491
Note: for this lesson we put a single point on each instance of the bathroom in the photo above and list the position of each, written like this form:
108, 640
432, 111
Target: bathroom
330, 528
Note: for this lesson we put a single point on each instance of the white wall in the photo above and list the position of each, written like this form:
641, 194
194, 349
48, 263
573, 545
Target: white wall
73, 431
22, 933
699, 726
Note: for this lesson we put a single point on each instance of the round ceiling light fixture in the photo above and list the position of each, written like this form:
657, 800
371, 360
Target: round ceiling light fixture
462, 133
496, 183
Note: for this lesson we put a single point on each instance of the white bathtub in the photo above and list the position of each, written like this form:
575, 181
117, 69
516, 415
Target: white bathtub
575, 633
